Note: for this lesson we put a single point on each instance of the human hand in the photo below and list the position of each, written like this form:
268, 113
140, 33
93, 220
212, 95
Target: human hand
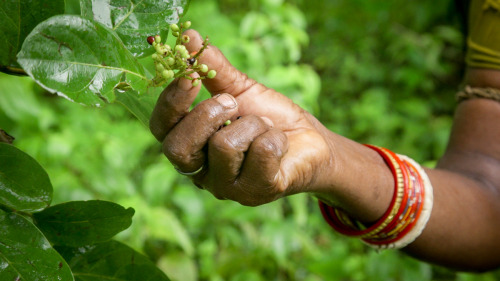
275, 149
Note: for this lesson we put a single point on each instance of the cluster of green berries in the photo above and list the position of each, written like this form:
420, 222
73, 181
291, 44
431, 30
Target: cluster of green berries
177, 61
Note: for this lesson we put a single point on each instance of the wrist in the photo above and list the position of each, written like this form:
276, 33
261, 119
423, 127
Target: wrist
358, 180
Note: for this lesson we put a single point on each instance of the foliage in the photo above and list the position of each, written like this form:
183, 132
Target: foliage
86, 60
29, 228
377, 72
18, 19
387, 71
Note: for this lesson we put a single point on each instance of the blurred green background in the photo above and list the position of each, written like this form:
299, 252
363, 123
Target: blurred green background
380, 72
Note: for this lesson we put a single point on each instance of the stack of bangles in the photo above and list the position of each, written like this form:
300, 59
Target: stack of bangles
407, 215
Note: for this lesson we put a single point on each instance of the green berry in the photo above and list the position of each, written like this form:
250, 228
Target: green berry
167, 48
154, 56
174, 27
186, 24
170, 61
227, 122
203, 68
196, 82
185, 39
167, 74
180, 49
211, 74
157, 38
185, 55
176, 34
159, 67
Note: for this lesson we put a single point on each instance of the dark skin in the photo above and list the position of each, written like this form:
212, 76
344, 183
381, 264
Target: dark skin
278, 149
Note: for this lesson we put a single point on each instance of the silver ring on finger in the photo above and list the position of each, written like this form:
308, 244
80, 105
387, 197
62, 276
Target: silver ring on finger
194, 173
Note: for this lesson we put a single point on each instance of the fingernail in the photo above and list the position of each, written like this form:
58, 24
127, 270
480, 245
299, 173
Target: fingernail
226, 100
268, 121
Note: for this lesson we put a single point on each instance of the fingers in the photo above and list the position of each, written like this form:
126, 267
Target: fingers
184, 143
245, 162
173, 104
228, 79
227, 147
262, 166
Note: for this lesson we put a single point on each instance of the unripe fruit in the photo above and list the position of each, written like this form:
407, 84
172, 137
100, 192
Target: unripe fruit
167, 48
180, 48
175, 61
167, 74
174, 27
160, 67
211, 74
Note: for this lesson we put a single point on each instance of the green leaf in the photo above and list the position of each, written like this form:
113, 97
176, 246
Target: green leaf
80, 60
140, 105
135, 20
24, 184
79, 223
25, 254
17, 19
111, 260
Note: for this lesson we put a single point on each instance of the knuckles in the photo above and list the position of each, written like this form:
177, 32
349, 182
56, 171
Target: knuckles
176, 152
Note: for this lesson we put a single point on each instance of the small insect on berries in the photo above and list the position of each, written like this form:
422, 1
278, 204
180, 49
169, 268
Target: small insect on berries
151, 39
191, 61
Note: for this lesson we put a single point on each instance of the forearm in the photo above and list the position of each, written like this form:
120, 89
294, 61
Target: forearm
463, 229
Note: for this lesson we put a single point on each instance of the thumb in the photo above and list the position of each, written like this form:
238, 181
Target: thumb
228, 79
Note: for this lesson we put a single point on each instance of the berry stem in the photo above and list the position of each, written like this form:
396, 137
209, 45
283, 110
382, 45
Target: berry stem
205, 45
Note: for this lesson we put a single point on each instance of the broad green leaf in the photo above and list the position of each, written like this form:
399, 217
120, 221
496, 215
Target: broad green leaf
80, 59
110, 260
24, 184
135, 20
25, 254
79, 223
17, 19
140, 105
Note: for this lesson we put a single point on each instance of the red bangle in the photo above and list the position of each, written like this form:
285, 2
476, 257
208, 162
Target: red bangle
403, 213
331, 214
